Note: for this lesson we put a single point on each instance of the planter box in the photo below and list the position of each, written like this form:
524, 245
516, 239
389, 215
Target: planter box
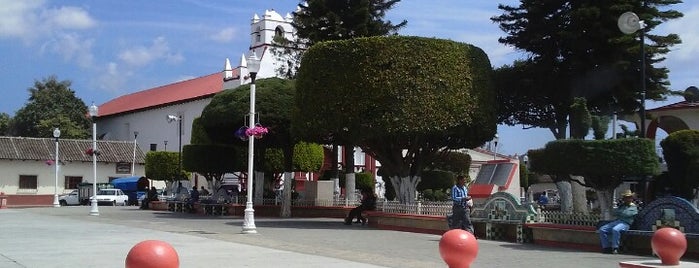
157, 205
568, 236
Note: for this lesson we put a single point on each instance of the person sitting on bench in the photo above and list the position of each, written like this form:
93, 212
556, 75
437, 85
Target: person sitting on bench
625, 214
368, 203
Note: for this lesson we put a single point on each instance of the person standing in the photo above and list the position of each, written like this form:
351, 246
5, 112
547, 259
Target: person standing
461, 208
624, 218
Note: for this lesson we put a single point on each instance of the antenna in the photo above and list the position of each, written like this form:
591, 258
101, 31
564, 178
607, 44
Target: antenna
629, 23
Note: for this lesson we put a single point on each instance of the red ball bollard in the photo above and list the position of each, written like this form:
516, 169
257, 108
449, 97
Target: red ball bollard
670, 244
152, 254
458, 248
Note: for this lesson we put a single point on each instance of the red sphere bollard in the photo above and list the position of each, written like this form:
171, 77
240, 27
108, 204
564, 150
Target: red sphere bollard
458, 248
152, 254
670, 244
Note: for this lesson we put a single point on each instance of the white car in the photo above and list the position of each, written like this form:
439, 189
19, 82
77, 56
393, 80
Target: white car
112, 196
70, 199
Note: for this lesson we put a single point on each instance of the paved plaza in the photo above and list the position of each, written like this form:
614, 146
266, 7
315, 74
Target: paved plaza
69, 237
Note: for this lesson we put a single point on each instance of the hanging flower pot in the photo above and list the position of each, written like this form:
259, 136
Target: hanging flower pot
90, 152
257, 131
241, 133
49, 162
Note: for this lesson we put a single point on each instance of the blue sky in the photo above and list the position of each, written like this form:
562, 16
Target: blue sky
111, 48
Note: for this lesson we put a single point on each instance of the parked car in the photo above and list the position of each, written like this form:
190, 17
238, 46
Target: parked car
70, 199
112, 197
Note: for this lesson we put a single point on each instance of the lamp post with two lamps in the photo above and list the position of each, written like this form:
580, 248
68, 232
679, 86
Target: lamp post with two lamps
253, 63
94, 211
56, 135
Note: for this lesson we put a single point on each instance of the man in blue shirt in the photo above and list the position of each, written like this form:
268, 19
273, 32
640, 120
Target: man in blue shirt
461, 208
625, 214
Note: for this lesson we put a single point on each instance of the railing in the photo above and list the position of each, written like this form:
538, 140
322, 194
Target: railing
433, 208
558, 217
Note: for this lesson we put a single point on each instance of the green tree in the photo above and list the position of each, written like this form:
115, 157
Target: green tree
538, 91
51, 104
600, 125
308, 157
681, 152
162, 166
580, 119
4, 124
211, 161
417, 107
603, 163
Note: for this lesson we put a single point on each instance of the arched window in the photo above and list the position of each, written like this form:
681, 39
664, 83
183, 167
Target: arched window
279, 32
258, 36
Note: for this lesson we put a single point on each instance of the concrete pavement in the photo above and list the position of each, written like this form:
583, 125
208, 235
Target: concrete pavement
69, 237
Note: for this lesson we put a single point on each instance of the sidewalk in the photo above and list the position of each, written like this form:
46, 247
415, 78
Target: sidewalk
69, 237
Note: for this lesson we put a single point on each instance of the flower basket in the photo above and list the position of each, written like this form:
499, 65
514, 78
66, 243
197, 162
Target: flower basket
90, 152
257, 131
49, 162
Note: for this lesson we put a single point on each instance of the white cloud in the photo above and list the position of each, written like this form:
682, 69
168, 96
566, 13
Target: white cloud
68, 18
141, 56
31, 19
72, 47
225, 35
112, 79
686, 27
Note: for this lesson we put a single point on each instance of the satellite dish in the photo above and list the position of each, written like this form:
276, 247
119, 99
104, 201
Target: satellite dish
629, 22
691, 94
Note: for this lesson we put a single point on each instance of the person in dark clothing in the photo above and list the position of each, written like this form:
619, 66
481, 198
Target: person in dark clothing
152, 196
193, 198
368, 203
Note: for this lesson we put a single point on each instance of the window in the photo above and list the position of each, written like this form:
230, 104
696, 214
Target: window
258, 37
279, 32
71, 182
154, 147
27, 182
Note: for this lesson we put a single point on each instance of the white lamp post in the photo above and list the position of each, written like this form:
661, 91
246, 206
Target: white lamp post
249, 221
133, 163
495, 142
56, 204
170, 119
94, 211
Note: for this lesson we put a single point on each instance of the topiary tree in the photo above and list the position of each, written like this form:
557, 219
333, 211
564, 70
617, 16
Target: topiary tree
163, 166
603, 163
401, 107
211, 161
681, 153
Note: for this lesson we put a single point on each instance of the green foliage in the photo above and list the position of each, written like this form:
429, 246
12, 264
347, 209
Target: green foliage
210, 160
600, 125
603, 163
435, 195
456, 162
414, 101
308, 157
436, 179
364, 181
539, 91
324, 20
162, 166
199, 135
4, 124
228, 109
681, 152
524, 176
51, 104
580, 119
274, 160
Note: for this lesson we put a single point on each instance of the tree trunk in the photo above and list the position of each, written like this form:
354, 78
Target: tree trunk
579, 196
566, 196
286, 195
606, 202
259, 187
406, 188
349, 187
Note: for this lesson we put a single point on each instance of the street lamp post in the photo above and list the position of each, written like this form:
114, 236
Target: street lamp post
133, 163
56, 204
495, 149
165, 142
94, 211
253, 64
170, 119
629, 23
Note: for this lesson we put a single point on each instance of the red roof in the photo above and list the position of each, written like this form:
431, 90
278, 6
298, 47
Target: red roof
178, 92
682, 105
481, 190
